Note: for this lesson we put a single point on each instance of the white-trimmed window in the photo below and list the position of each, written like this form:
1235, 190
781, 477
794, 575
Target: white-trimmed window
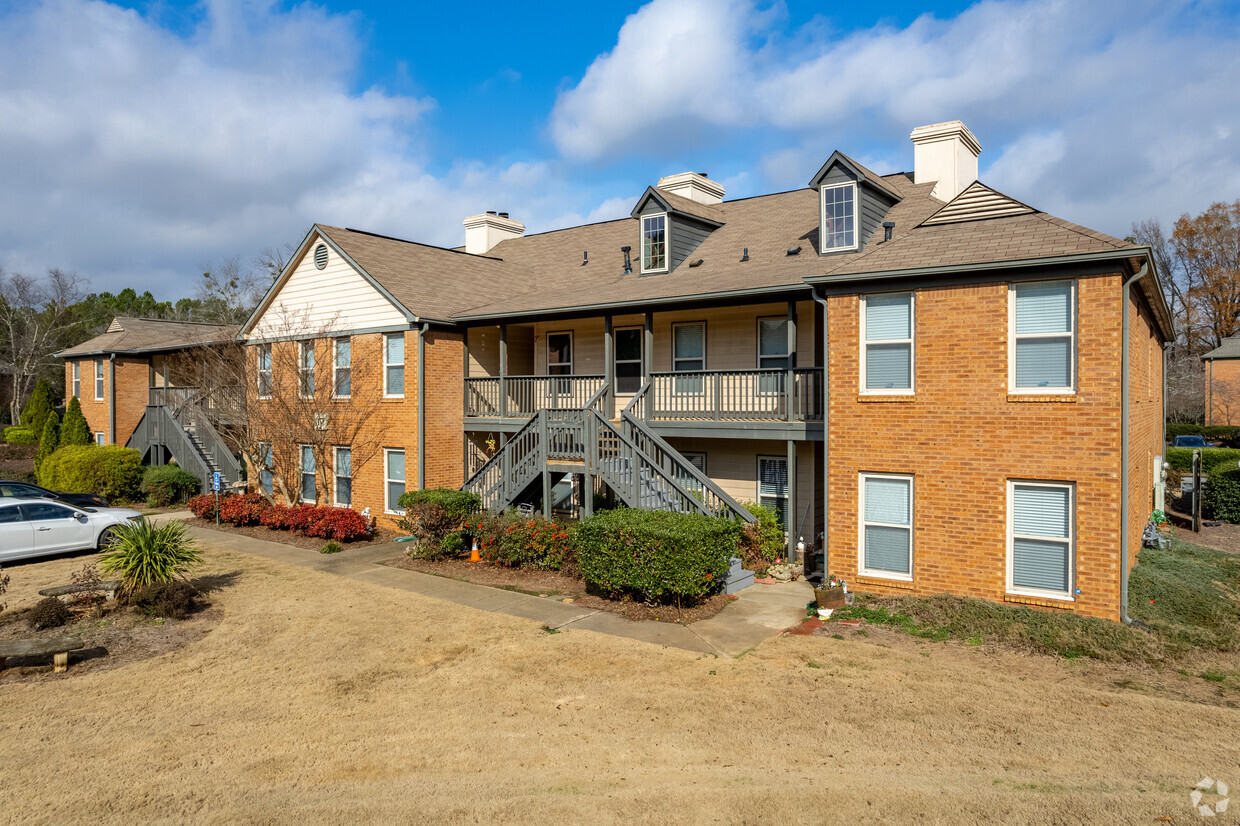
1041, 538
690, 482
264, 371
772, 353
394, 365
886, 536
839, 217
1042, 349
560, 354
887, 343
654, 243
99, 438
98, 380
342, 369
628, 359
393, 480
307, 473
773, 485
305, 369
689, 355
266, 461
343, 468
77, 379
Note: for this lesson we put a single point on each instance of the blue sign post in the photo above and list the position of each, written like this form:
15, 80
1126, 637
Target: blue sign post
215, 485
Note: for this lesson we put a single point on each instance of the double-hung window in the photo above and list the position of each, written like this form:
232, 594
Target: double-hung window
305, 369
344, 477
342, 369
264, 371
689, 355
307, 473
266, 461
393, 480
887, 343
77, 380
1041, 538
886, 539
1042, 350
773, 485
654, 243
685, 477
772, 353
839, 217
99, 380
394, 365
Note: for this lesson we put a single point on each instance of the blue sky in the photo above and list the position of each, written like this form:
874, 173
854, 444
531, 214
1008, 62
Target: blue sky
142, 143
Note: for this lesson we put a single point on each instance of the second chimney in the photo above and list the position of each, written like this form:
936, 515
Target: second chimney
693, 185
946, 153
483, 232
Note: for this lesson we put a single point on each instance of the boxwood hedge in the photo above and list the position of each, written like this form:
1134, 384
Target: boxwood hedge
1181, 458
112, 471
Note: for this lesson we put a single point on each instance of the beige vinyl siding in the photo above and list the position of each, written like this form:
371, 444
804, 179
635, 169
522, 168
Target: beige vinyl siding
334, 299
587, 345
484, 351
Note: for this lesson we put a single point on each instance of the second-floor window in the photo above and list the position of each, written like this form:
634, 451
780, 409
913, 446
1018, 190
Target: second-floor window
772, 353
654, 243
264, 371
887, 352
99, 381
839, 213
559, 354
77, 379
629, 359
342, 369
1042, 349
394, 365
305, 369
689, 355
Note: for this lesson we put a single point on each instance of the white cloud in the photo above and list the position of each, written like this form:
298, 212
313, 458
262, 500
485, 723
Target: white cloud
1104, 111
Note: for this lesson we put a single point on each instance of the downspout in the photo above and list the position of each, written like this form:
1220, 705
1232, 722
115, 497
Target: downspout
826, 433
422, 405
111, 398
1123, 446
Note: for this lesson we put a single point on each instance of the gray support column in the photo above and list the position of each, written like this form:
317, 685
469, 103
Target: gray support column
465, 380
790, 389
503, 370
112, 398
609, 365
790, 518
647, 357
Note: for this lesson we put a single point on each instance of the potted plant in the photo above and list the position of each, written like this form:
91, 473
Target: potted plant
831, 593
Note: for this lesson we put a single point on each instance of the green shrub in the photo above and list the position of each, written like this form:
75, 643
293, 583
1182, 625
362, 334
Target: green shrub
458, 504
1221, 497
1220, 431
524, 542
1181, 458
166, 485
656, 555
143, 554
74, 430
49, 612
38, 406
19, 436
111, 471
49, 441
331, 548
171, 600
762, 542
437, 517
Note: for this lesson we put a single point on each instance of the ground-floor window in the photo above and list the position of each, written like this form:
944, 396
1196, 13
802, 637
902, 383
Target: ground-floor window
692, 483
266, 460
394, 479
344, 477
886, 535
773, 485
99, 437
307, 473
1041, 538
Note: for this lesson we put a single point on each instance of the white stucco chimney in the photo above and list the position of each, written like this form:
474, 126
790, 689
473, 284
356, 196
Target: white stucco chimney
947, 153
482, 232
693, 185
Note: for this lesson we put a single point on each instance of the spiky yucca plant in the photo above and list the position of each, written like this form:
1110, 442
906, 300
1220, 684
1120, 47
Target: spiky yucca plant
143, 554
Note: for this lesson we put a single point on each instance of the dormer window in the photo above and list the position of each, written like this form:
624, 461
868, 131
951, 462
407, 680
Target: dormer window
839, 217
654, 243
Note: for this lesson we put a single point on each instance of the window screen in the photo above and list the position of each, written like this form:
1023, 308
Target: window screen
1042, 537
889, 342
887, 525
1043, 335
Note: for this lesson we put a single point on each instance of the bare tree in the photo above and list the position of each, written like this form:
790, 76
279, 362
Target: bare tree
35, 322
1225, 401
1185, 386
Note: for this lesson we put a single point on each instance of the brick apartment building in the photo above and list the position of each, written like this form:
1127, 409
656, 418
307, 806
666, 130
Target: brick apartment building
1222, 383
941, 388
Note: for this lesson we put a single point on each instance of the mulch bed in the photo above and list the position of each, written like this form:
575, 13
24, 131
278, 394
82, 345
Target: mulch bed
560, 586
382, 536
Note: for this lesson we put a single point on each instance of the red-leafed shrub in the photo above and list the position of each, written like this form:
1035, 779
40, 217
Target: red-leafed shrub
243, 510
301, 517
341, 524
204, 506
275, 517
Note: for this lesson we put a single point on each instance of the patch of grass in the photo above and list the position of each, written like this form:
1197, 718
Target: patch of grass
1213, 675
812, 665
547, 629
1195, 595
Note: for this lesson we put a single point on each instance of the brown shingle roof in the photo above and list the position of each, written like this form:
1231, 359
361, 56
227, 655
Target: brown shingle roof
151, 335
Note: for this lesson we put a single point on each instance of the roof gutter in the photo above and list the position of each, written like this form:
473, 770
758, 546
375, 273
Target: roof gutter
112, 399
980, 266
1123, 440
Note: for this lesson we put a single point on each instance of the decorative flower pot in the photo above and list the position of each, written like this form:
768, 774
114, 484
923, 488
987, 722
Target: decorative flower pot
829, 597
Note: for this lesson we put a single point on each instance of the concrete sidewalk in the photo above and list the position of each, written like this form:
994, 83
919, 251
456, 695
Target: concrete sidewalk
759, 612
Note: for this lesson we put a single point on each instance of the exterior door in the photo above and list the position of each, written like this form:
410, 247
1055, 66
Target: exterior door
628, 364
56, 528
16, 535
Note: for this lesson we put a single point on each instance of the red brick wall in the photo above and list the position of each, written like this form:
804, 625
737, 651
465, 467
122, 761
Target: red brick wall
963, 437
132, 383
1145, 419
1222, 392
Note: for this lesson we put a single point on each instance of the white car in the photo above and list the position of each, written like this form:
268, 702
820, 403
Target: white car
36, 527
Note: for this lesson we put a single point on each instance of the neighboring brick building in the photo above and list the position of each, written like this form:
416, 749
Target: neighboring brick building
922, 376
1222, 383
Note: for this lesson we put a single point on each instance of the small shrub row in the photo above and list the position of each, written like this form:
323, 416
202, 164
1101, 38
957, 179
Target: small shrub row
1181, 458
244, 510
437, 518
1220, 431
19, 435
204, 506
339, 524
112, 471
518, 541
166, 485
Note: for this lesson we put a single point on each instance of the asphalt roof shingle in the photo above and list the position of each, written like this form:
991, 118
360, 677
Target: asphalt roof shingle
150, 335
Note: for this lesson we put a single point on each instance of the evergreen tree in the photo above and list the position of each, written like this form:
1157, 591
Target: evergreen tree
50, 440
37, 408
74, 430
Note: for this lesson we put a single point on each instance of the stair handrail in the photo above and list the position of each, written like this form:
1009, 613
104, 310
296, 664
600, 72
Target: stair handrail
159, 419
638, 397
211, 440
495, 457
655, 467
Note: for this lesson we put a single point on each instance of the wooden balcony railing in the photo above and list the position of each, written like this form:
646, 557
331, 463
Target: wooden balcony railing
524, 396
737, 395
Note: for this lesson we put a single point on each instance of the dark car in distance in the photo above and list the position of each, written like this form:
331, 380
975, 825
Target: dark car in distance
1189, 441
25, 490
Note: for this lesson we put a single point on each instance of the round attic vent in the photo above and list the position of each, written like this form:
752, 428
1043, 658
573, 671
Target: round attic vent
320, 256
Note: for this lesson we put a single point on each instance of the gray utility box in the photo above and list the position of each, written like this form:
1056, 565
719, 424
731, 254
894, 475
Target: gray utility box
1188, 495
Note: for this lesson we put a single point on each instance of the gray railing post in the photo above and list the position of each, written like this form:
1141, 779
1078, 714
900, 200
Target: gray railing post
503, 370
790, 374
717, 381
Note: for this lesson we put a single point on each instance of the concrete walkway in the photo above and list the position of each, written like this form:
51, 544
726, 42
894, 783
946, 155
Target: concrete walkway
760, 611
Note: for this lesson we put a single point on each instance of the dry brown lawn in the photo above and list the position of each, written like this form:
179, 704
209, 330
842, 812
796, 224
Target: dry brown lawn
321, 699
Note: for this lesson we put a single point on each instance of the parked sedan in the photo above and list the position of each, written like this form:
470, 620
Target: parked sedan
1189, 441
25, 490
37, 527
